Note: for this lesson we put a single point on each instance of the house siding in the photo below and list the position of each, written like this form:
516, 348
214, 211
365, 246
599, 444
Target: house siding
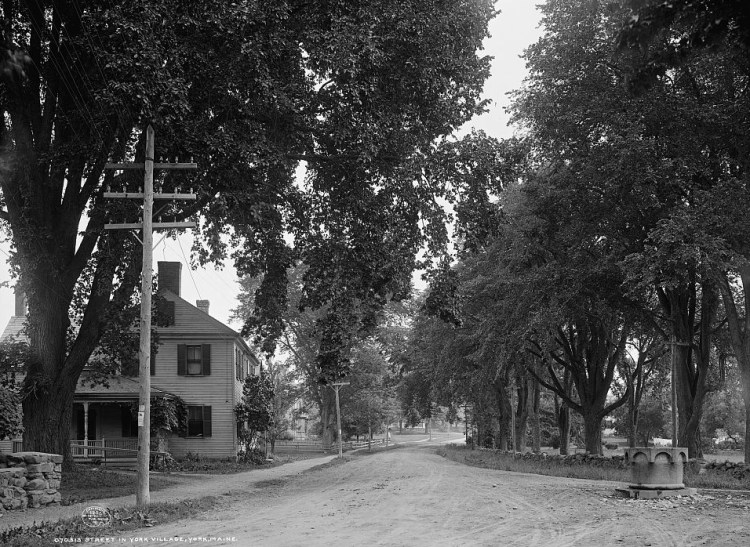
220, 389
214, 390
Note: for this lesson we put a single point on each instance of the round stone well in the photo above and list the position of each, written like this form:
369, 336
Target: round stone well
656, 472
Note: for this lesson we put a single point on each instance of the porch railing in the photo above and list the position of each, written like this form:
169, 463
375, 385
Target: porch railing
94, 448
107, 449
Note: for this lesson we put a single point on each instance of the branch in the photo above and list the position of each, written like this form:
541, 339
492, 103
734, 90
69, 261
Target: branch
618, 403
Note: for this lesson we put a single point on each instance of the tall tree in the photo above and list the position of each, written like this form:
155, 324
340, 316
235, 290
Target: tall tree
649, 159
249, 90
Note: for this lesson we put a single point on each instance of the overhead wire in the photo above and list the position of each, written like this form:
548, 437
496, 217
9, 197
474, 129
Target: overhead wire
86, 32
77, 97
190, 270
64, 81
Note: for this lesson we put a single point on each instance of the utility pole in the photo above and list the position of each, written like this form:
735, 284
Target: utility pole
336, 386
673, 380
513, 416
144, 354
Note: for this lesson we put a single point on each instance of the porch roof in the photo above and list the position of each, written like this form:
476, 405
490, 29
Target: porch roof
117, 388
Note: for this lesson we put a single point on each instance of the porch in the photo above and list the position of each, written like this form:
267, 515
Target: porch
104, 425
108, 451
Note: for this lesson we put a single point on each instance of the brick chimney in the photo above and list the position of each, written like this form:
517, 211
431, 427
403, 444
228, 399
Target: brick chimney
169, 276
20, 303
202, 305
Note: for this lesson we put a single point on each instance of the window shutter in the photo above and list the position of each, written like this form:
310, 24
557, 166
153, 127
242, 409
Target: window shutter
152, 362
206, 356
206, 421
181, 359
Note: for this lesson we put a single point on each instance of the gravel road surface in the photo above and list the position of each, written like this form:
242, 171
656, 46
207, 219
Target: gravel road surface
412, 497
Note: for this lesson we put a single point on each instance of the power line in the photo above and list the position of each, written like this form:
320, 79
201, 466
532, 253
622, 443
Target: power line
190, 270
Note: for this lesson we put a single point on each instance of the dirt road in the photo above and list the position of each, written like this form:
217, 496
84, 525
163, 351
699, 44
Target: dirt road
411, 496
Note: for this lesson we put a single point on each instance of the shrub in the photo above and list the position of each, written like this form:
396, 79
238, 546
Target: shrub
285, 436
730, 444
254, 455
11, 415
164, 463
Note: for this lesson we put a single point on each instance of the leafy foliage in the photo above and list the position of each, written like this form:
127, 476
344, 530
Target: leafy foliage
357, 90
167, 414
10, 414
255, 412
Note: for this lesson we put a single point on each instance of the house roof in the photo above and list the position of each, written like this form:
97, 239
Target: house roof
14, 329
199, 323
116, 388
195, 321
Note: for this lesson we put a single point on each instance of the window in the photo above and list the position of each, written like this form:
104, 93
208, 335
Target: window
194, 360
199, 421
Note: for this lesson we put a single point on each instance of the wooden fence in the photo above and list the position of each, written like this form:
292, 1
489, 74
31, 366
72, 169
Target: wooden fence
316, 445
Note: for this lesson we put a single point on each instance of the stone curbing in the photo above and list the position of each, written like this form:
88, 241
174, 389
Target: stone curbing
29, 480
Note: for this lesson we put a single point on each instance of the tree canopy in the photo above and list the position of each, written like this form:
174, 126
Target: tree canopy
356, 90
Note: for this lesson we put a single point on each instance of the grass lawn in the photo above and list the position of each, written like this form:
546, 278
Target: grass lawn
129, 518
497, 460
197, 464
84, 483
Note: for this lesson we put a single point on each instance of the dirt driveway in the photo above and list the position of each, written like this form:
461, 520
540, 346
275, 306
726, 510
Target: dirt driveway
410, 496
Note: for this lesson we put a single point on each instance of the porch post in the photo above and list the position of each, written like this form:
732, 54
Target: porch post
85, 429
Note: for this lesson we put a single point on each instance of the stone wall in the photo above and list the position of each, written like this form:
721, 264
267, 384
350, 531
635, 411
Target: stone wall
581, 458
739, 470
29, 479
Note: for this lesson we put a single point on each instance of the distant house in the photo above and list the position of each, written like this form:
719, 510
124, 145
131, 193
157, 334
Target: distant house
200, 360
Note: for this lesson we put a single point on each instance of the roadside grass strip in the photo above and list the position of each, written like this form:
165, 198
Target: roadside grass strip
506, 461
76, 530
83, 484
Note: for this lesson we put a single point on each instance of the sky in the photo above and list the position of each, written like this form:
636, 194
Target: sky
511, 31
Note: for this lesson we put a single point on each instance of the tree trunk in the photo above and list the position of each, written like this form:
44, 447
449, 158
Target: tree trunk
592, 428
502, 435
522, 414
328, 417
632, 420
47, 419
563, 425
50, 382
536, 426
691, 367
739, 330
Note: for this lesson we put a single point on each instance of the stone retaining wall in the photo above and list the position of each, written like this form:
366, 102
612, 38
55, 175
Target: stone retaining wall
617, 461
29, 479
739, 470
581, 458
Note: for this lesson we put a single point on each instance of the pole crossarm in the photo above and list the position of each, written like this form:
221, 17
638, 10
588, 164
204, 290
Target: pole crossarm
141, 195
155, 225
135, 165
